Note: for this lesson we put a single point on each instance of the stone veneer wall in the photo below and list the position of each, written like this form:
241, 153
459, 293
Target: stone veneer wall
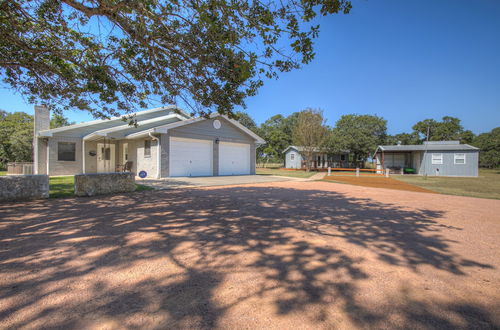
23, 187
104, 183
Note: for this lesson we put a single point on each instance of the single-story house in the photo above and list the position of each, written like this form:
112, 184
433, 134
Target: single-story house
445, 158
166, 142
295, 158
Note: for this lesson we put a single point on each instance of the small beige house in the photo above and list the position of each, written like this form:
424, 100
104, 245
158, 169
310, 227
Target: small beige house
167, 142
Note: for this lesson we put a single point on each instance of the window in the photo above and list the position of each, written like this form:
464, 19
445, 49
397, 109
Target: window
342, 157
147, 148
459, 158
292, 156
66, 151
106, 153
437, 159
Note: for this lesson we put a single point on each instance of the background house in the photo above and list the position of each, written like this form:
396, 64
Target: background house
294, 158
446, 158
166, 142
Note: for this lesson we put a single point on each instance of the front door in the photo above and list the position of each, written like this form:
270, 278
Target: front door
105, 158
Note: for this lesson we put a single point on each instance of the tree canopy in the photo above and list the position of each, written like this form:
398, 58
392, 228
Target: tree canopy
107, 56
449, 128
489, 143
310, 132
359, 134
16, 135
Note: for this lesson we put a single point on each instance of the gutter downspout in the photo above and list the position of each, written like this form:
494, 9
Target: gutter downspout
158, 155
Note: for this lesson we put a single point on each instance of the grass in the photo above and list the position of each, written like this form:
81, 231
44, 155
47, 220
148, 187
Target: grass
291, 173
487, 185
3, 172
63, 186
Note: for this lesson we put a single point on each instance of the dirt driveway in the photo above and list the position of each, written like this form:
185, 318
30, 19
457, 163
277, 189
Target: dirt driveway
274, 255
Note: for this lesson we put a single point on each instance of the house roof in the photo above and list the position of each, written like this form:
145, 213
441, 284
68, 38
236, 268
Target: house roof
119, 132
301, 148
428, 146
164, 128
89, 127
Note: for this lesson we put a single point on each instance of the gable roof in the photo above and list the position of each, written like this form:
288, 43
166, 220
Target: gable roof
86, 128
301, 148
164, 129
427, 146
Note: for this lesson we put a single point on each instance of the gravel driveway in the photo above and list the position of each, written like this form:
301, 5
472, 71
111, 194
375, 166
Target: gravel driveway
286, 255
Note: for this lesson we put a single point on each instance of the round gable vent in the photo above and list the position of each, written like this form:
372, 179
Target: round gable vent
217, 124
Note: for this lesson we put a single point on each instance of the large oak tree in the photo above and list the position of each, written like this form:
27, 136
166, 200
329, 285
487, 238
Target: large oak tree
110, 56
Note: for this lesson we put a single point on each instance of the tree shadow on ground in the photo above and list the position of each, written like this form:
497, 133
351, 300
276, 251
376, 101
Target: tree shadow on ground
189, 258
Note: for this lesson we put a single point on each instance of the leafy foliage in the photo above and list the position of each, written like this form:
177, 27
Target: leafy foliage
106, 56
449, 128
310, 133
16, 136
277, 131
58, 120
489, 143
359, 134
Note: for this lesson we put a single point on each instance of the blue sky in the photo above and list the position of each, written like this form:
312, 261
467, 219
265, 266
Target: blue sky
402, 60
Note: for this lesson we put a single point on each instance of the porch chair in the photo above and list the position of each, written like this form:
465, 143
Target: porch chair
128, 166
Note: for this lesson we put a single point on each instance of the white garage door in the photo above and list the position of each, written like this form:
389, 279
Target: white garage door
190, 157
234, 158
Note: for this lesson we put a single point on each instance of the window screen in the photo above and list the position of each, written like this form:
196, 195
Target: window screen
437, 159
66, 151
459, 158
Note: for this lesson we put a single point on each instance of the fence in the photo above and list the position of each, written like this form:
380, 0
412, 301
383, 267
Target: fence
18, 168
358, 171
269, 165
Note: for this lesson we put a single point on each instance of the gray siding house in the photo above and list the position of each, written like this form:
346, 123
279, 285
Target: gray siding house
437, 158
167, 142
294, 158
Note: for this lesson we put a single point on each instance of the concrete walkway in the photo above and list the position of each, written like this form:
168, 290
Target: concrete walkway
187, 182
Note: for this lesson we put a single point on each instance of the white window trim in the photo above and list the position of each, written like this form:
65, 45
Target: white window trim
455, 157
438, 161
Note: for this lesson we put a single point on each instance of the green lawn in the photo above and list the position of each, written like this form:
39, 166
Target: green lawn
487, 185
63, 186
295, 174
3, 172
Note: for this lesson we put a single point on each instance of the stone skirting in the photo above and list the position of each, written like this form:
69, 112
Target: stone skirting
104, 183
23, 187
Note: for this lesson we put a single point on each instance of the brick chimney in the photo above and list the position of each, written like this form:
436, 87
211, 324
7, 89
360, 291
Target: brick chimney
42, 122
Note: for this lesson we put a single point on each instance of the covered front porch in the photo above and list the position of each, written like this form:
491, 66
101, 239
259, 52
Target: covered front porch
325, 160
102, 155
398, 162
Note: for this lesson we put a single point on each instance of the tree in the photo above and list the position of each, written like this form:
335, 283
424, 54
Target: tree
58, 120
359, 134
107, 56
489, 143
278, 136
16, 137
247, 121
403, 138
449, 128
310, 133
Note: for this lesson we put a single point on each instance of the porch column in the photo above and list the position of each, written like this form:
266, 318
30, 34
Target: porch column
83, 156
383, 160
158, 157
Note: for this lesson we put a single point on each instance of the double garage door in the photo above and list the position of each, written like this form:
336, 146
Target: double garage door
193, 157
